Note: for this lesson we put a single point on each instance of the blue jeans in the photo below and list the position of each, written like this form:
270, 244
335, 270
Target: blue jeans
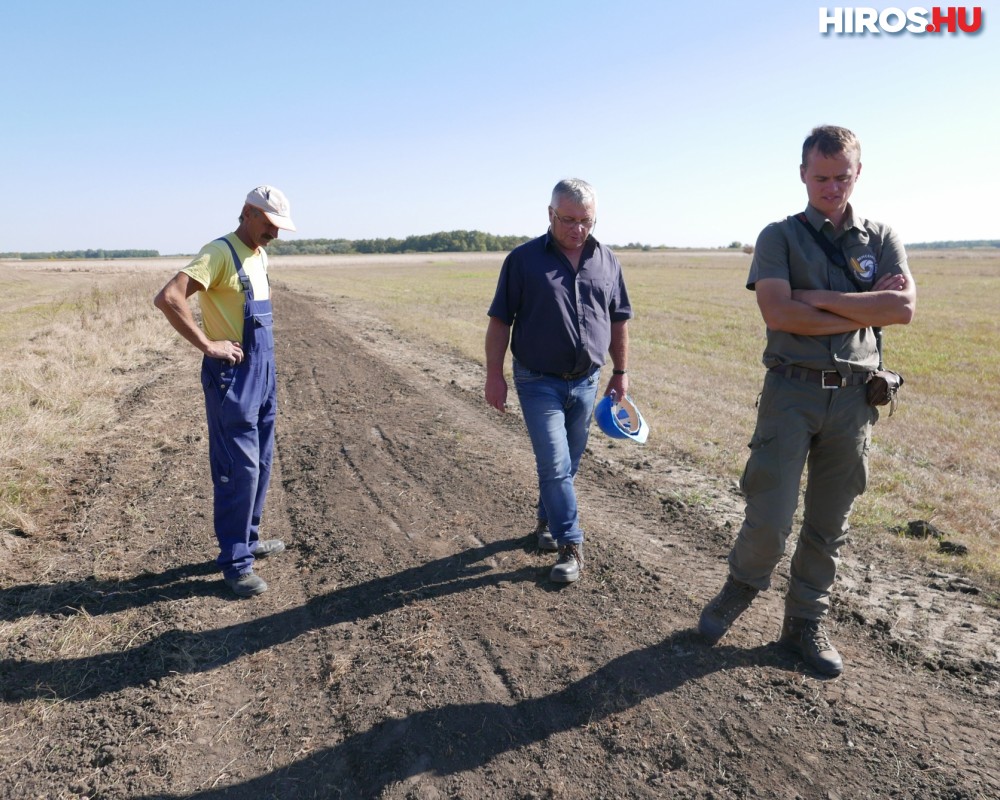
557, 414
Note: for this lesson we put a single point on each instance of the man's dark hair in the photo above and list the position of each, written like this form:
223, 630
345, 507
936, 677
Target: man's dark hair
830, 140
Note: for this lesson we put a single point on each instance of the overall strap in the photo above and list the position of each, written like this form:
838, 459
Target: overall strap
244, 278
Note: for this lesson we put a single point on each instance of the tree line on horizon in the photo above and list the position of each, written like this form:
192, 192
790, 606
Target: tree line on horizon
441, 242
955, 245
67, 255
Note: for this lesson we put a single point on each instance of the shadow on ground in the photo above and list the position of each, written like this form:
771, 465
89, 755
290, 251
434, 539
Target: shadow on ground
465, 737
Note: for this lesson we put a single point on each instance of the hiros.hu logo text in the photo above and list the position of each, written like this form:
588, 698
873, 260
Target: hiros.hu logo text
898, 20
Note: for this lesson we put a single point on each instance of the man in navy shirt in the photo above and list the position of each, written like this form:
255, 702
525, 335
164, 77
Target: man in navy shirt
561, 306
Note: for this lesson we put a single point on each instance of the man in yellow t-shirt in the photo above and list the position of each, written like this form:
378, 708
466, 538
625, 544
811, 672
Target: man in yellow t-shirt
238, 377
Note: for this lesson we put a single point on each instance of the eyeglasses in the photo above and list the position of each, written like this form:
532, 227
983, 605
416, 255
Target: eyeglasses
586, 223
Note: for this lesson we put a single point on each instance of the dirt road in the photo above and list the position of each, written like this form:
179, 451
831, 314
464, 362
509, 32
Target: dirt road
411, 646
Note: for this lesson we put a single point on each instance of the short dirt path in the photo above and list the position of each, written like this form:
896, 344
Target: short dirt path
411, 646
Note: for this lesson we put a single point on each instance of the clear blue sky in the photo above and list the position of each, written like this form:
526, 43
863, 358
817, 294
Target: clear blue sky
143, 125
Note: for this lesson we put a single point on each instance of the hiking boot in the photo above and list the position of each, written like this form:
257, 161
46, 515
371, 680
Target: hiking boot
570, 564
808, 638
247, 584
546, 541
720, 614
268, 547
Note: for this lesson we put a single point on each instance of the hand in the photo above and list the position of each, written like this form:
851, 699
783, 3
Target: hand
890, 283
496, 392
619, 385
230, 352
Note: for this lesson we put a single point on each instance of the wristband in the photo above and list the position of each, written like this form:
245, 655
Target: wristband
619, 372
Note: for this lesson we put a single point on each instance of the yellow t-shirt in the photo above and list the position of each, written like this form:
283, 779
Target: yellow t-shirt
221, 297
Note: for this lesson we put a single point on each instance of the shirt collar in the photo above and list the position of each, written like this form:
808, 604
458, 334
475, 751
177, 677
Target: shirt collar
818, 220
589, 246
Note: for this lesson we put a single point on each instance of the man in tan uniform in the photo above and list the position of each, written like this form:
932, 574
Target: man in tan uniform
821, 351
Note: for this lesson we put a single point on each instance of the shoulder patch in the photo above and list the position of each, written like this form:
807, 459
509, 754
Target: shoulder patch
864, 266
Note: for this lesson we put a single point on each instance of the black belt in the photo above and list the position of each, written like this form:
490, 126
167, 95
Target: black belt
827, 378
570, 376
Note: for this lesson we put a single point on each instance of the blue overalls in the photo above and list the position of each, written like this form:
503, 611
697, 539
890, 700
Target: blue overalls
241, 405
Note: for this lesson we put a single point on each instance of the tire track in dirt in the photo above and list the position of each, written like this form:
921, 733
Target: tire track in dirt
648, 546
411, 646
388, 469
930, 616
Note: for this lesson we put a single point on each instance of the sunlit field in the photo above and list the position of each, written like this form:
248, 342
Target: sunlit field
76, 337
695, 369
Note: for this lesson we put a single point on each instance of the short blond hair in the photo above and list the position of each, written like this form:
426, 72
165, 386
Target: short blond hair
830, 140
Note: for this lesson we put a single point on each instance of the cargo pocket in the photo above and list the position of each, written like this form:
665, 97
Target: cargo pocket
857, 479
763, 469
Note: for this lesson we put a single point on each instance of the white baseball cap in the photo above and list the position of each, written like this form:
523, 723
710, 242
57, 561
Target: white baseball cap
274, 204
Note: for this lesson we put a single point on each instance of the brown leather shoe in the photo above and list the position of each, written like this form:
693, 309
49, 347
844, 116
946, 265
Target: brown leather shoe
808, 638
721, 612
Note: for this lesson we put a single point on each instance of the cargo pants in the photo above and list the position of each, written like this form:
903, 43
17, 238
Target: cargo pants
802, 425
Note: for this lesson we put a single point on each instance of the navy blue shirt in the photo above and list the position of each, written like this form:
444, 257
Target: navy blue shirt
561, 319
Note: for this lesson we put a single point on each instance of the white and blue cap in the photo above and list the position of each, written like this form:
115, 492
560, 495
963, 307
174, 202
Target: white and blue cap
621, 420
274, 204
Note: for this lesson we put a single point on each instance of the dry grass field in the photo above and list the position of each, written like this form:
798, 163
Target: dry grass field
695, 371
74, 334
411, 644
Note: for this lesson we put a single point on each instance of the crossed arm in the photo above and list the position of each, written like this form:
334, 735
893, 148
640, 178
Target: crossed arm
817, 312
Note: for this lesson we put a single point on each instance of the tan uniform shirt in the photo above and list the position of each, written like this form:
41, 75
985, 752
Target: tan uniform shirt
787, 251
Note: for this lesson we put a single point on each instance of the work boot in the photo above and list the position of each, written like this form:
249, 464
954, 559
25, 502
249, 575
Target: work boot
808, 638
546, 541
570, 564
268, 547
720, 614
247, 585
